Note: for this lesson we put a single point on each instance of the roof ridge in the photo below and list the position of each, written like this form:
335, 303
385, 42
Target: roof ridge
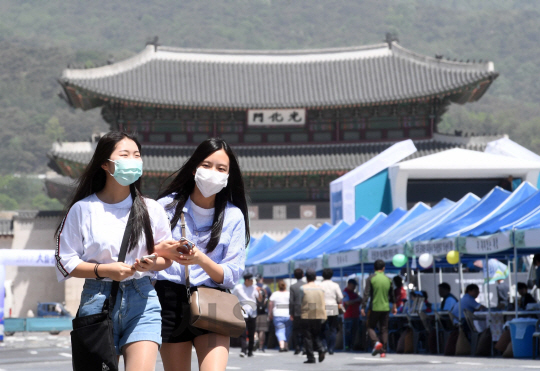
343, 49
479, 66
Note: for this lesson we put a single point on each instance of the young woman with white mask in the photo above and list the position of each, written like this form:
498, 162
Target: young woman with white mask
209, 191
89, 240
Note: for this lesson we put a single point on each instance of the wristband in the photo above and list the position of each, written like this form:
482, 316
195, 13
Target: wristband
96, 273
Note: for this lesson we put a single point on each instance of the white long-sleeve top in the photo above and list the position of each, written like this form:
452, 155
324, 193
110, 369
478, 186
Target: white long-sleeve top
230, 253
93, 230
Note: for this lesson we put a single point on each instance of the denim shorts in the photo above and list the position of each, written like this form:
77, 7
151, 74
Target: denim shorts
137, 312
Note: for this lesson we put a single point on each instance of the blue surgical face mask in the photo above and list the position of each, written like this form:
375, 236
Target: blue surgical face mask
127, 171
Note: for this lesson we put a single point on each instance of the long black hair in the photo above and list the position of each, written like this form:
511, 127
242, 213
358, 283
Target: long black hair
93, 180
184, 184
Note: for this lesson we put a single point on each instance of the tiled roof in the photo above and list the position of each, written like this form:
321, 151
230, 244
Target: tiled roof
289, 158
6, 227
34, 214
382, 73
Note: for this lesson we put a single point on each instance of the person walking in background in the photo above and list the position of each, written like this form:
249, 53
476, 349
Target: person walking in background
332, 299
262, 312
295, 310
380, 292
313, 315
448, 300
351, 304
278, 312
248, 294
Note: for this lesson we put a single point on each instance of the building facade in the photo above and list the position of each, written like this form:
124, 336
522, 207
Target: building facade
296, 119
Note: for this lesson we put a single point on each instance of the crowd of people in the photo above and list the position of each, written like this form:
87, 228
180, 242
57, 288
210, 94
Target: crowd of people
309, 314
305, 316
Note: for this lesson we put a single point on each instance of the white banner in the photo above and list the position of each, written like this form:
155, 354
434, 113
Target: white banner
276, 117
527, 238
485, 244
344, 259
315, 264
274, 270
384, 253
434, 247
27, 258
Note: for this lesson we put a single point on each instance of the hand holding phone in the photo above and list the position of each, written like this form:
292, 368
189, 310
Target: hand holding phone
189, 244
147, 259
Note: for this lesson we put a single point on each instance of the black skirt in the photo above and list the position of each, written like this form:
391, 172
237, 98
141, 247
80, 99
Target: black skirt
175, 313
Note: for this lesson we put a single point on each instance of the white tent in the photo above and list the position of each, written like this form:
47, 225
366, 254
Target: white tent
342, 190
507, 147
458, 163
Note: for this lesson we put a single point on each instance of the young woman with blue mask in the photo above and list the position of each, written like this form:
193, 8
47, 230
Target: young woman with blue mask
209, 191
89, 240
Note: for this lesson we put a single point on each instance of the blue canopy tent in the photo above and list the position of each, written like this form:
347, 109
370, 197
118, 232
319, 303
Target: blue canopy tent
262, 252
335, 232
262, 244
282, 254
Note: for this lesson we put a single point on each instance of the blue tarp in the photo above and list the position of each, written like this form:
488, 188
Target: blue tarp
250, 260
486, 205
524, 191
285, 252
417, 210
330, 236
487, 219
280, 247
507, 219
371, 233
259, 245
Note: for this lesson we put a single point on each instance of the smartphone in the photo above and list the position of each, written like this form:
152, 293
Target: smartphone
189, 243
149, 257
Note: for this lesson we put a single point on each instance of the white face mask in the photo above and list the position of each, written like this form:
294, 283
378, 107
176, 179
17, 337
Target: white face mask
210, 182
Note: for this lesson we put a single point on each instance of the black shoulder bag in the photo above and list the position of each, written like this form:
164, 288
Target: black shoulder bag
92, 342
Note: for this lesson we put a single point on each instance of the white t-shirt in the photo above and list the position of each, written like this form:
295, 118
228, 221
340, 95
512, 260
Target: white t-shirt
280, 301
248, 298
202, 217
93, 230
332, 296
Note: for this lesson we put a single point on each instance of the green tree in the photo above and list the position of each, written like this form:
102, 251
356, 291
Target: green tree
8, 203
44, 202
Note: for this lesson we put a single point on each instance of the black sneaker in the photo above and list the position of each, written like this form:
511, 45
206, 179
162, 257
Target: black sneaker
310, 361
321, 356
297, 352
242, 354
250, 354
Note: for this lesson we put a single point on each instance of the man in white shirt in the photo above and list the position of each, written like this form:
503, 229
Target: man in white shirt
332, 299
248, 294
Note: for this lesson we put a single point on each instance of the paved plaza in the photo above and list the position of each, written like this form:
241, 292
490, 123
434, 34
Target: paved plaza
41, 351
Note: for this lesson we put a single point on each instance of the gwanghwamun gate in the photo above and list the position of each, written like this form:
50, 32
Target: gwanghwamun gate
298, 121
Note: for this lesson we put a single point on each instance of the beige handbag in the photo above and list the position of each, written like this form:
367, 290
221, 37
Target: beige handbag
212, 309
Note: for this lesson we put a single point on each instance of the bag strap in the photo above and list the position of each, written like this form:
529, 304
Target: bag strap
186, 267
121, 257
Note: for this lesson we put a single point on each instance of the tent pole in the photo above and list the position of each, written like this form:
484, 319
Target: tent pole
509, 278
515, 270
408, 283
436, 301
460, 285
488, 298
361, 288
341, 273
